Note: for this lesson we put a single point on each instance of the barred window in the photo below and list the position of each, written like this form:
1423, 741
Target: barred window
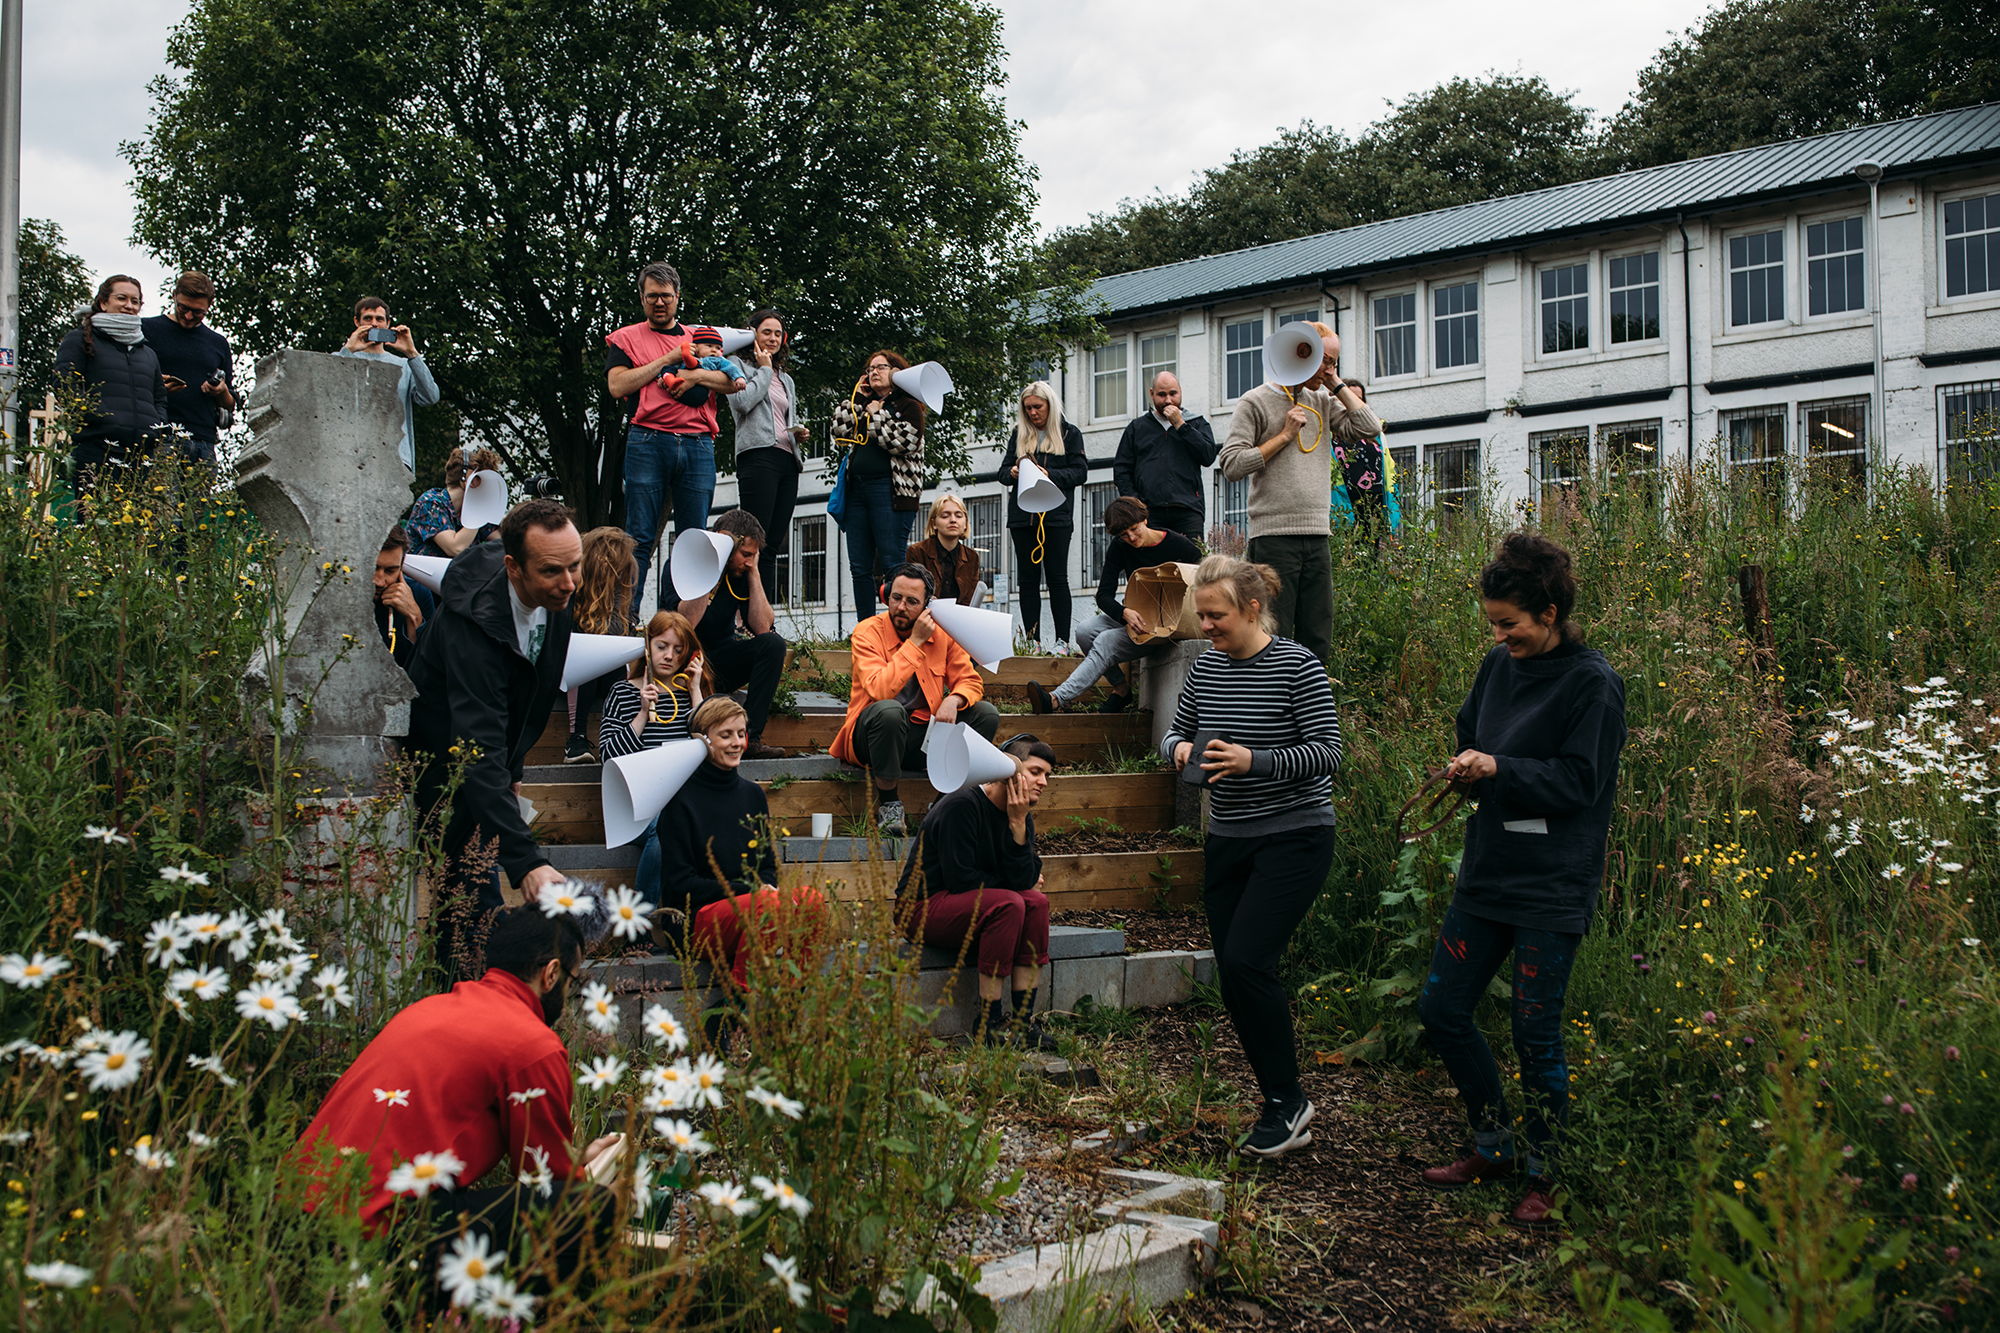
809, 540
1834, 436
1454, 479
1970, 416
1561, 458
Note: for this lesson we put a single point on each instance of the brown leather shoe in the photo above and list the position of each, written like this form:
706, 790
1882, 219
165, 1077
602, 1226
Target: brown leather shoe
1473, 1170
1534, 1210
1040, 700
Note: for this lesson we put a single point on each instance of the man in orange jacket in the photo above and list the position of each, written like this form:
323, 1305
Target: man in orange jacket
907, 671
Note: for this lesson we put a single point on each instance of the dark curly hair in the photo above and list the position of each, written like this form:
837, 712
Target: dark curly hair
1534, 574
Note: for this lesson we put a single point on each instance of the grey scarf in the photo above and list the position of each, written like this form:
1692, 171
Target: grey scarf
120, 328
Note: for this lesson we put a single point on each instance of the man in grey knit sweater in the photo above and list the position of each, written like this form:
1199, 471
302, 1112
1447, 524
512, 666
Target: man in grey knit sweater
1284, 444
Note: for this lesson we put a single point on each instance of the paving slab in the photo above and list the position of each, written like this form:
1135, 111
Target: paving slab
1102, 979
1158, 978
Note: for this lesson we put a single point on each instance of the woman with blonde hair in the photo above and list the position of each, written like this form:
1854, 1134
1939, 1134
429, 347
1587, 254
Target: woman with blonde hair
1261, 714
1041, 541
603, 591
952, 560
433, 523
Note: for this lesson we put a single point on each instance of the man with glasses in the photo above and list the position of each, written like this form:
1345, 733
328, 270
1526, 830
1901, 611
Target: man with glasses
197, 366
1160, 458
1106, 638
414, 384
670, 445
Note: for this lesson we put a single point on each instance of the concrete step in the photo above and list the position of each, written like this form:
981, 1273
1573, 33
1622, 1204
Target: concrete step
757, 770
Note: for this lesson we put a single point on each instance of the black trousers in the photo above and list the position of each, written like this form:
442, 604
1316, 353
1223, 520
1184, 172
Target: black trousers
1173, 518
470, 890
518, 1223
1028, 575
1256, 891
752, 665
767, 489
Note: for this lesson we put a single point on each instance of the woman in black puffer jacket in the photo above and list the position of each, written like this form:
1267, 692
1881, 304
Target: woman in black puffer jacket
105, 358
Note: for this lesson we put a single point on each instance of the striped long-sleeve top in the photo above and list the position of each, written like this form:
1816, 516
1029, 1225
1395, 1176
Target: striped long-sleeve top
668, 723
1278, 705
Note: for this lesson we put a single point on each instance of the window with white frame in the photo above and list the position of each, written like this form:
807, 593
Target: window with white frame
1757, 278
1833, 267
1970, 452
1972, 245
1298, 317
1242, 356
1565, 302
1158, 353
1631, 452
1396, 334
1834, 438
1108, 395
1632, 296
988, 516
1560, 458
809, 540
1454, 478
1455, 325
1403, 462
1233, 502
1095, 497
1755, 440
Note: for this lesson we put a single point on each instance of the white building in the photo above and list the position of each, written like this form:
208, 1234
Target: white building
1625, 319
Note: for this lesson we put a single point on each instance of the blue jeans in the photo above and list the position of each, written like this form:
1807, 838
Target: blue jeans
646, 880
874, 530
658, 464
1470, 950
1107, 645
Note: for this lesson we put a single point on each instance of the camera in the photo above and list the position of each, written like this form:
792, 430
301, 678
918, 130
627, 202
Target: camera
215, 376
381, 335
545, 487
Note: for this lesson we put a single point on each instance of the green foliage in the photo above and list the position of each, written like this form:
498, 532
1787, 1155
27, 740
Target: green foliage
499, 173
54, 283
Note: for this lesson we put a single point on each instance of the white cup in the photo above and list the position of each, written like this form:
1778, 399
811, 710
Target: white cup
822, 827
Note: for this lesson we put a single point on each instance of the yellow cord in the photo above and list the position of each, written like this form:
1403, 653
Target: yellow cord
392, 634
1305, 448
665, 721
1041, 538
860, 423
732, 590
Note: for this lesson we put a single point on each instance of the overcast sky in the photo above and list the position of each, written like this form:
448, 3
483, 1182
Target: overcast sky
1119, 98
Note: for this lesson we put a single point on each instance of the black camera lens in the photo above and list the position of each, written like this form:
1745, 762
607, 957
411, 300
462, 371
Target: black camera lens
545, 487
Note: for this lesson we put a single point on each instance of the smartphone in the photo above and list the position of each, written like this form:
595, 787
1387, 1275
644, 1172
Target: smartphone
381, 335
1192, 772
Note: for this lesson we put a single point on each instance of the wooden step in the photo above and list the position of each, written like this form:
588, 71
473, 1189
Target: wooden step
1013, 670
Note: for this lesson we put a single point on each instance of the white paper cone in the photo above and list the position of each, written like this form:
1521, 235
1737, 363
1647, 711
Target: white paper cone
1293, 354
698, 561
485, 500
1033, 490
735, 340
961, 757
988, 636
638, 786
926, 380
591, 655
427, 570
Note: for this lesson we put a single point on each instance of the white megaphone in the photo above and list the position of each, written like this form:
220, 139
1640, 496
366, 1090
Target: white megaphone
427, 570
485, 500
926, 380
1293, 354
699, 558
638, 786
591, 655
1034, 492
735, 340
987, 636
960, 757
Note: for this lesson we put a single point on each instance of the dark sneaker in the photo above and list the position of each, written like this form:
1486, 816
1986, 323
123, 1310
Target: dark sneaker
758, 750
1116, 703
1040, 700
1030, 1035
889, 820
576, 750
1472, 1170
1280, 1129
1534, 1210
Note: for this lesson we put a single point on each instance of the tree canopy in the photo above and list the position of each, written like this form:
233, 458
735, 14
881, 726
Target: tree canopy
499, 173
54, 283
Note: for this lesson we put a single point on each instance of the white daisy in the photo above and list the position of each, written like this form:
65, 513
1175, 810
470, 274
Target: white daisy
500, 1299
237, 932
628, 913
781, 1193
213, 1064
604, 1071
564, 900
201, 928
683, 1136
785, 1277
197, 1139
14, 1138
203, 983
777, 1103
273, 921
58, 1274
727, 1196
665, 1029
269, 1002
674, 1082
31, 973
181, 874
542, 1179
292, 970
331, 987
153, 1159
642, 1183
467, 1268
108, 836
426, 1172
104, 942
166, 943
707, 1074
393, 1096
598, 1009
118, 1064
526, 1095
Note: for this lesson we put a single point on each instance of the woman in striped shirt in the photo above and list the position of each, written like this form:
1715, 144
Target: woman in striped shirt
1264, 708
655, 708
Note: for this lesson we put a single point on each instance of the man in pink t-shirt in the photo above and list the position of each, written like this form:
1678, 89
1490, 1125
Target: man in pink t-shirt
670, 445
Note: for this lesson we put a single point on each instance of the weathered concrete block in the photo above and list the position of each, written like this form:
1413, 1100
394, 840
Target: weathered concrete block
1161, 677
1084, 942
1102, 979
1204, 967
1139, 1267
1155, 980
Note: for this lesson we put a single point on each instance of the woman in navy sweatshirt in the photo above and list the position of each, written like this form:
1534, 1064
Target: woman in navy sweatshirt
1539, 739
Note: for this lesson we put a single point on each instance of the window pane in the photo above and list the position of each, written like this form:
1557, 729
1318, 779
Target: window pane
1157, 352
1298, 317
1396, 334
809, 540
1566, 308
1095, 497
1455, 320
986, 528
1407, 479
1243, 356
1971, 448
1757, 278
1833, 267
1107, 379
1454, 475
1834, 435
1634, 297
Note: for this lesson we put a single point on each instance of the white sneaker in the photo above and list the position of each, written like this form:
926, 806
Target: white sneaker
889, 819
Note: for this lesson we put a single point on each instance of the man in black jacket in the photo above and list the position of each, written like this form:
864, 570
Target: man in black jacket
487, 669
402, 608
1160, 458
196, 364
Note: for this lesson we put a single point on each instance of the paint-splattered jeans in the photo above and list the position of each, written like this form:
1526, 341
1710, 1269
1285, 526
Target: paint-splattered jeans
1469, 952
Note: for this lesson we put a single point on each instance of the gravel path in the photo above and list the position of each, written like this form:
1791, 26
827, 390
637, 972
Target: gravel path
1053, 1204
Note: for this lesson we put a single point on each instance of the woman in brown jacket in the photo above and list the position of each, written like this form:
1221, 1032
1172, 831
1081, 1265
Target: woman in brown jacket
952, 560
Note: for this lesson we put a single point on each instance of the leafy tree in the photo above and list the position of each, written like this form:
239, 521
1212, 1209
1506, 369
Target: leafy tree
54, 282
499, 173
1940, 54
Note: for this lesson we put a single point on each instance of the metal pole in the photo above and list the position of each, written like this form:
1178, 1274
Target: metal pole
1870, 173
10, 219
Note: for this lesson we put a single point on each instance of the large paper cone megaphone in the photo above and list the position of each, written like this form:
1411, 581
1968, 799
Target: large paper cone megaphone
591, 655
961, 757
427, 570
1033, 490
638, 786
698, 561
988, 636
485, 500
1293, 354
926, 380
735, 340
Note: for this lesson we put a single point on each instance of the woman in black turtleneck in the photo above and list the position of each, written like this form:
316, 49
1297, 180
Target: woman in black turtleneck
716, 863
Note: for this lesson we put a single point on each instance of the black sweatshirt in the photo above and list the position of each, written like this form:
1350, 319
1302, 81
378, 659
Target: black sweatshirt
965, 844
706, 833
1121, 558
1534, 849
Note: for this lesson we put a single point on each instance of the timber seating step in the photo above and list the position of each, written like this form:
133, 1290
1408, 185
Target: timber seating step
665, 971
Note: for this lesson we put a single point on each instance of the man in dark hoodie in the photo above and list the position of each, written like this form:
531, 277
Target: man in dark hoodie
487, 671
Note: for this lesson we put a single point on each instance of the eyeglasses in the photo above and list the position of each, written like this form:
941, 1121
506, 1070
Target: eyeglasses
879, 365
657, 298
183, 308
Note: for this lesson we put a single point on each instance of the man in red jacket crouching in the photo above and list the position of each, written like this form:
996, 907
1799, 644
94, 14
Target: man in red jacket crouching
453, 1084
